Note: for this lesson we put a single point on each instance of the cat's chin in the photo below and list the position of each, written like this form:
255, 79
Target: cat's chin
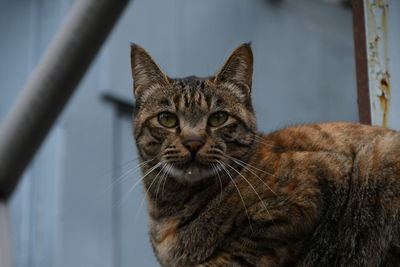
191, 173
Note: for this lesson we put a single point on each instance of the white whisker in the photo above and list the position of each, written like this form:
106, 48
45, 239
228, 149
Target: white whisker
231, 178
216, 170
118, 167
122, 177
165, 167
251, 166
148, 189
260, 140
137, 182
166, 177
252, 187
243, 164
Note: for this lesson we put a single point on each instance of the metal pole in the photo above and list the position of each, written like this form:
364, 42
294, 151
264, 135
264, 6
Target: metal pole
5, 244
51, 84
382, 26
377, 37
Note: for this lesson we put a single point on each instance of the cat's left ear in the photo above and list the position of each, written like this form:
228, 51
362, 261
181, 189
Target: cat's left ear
238, 69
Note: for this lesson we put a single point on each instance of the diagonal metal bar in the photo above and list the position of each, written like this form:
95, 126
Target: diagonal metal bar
51, 84
5, 244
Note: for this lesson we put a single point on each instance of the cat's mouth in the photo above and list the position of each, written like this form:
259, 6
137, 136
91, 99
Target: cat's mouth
191, 171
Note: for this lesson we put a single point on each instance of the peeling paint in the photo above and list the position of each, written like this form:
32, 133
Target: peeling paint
378, 59
384, 98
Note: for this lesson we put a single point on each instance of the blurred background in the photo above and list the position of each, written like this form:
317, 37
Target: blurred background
75, 205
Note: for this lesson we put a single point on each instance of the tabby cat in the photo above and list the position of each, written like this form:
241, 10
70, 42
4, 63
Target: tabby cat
220, 193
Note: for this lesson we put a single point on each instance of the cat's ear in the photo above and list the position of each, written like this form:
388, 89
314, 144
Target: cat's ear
238, 68
145, 71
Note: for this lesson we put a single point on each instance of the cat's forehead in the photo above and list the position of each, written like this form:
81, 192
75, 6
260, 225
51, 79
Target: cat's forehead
190, 83
190, 93
191, 96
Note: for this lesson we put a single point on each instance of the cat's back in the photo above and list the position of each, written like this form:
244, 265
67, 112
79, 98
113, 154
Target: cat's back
335, 137
331, 159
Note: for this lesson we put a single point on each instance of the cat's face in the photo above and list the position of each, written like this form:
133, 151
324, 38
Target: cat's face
192, 124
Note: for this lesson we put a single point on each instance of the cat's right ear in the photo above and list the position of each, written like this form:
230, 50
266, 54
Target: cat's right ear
145, 72
238, 69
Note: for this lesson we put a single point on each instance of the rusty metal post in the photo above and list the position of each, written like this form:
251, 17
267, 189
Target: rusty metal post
51, 85
377, 38
376, 13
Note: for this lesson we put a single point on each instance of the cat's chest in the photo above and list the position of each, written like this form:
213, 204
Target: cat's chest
164, 239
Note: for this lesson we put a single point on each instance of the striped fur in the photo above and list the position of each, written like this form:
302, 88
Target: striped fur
314, 195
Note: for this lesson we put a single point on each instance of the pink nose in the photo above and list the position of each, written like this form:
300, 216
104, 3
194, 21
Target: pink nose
193, 144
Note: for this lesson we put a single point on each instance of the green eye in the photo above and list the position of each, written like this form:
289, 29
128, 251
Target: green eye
167, 119
217, 119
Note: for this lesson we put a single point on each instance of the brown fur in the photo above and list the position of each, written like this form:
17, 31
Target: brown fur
314, 195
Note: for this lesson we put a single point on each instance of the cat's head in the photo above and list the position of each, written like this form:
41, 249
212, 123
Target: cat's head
193, 124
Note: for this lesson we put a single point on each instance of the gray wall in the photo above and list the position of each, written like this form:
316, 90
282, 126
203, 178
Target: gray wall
304, 63
69, 210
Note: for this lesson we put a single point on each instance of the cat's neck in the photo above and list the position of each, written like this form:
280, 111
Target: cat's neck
166, 196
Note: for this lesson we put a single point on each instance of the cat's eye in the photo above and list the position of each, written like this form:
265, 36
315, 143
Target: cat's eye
217, 119
167, 119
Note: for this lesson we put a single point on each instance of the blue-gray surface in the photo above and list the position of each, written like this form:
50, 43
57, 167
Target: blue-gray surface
67, 211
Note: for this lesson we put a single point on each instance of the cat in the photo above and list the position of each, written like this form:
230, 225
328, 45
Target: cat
220, 193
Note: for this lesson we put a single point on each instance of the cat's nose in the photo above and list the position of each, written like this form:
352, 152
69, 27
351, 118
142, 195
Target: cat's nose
193, 144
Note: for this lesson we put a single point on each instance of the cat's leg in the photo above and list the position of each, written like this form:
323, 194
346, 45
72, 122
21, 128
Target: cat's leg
235, 259
224, 260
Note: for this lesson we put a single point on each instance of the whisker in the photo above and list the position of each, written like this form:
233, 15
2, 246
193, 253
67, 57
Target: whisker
231, 178
260, 140
155, 178
124, 175
165, 179
255, 168
148, 189
216, 170
118, 167
243, 164
258, 136
126, 195
138, 181
252, 187
165, 167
